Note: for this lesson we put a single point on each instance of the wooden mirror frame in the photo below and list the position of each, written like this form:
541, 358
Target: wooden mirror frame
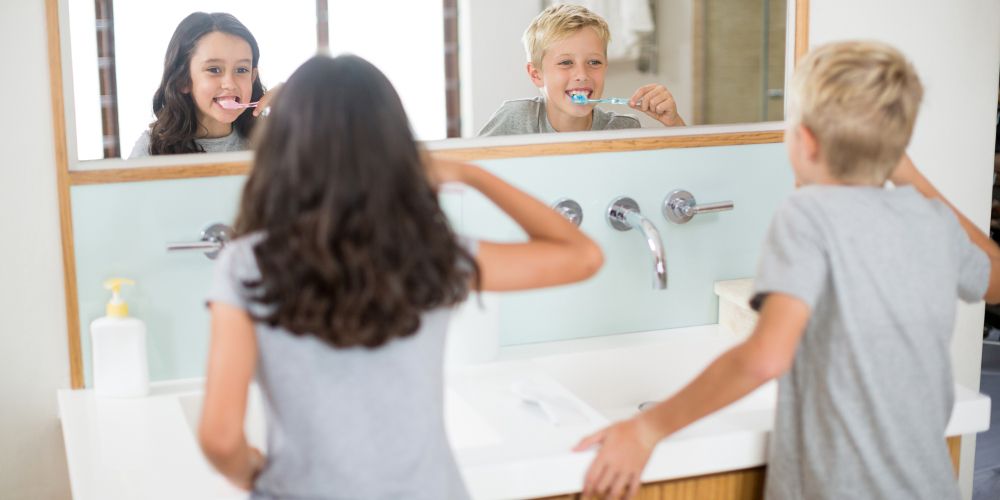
66, 178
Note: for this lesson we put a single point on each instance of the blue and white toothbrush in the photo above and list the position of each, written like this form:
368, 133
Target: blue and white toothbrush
581, 99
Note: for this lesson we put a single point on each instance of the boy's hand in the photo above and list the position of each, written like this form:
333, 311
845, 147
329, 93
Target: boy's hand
766, 355
658, 103
905, 173
616, 471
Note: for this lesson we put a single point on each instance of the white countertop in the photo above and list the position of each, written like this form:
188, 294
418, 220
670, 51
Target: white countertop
145, 448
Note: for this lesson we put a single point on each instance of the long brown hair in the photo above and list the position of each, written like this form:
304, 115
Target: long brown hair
176, 124
355, 244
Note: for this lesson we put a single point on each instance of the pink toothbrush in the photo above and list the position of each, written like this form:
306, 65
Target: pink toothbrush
227, 104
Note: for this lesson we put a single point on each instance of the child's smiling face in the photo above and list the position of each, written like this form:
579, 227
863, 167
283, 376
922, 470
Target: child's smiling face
576, 65
221, 69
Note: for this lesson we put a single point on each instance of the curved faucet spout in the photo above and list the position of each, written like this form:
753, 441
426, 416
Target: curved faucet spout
655, 244
623, 214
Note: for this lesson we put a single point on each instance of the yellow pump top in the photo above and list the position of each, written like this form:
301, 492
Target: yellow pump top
117, 308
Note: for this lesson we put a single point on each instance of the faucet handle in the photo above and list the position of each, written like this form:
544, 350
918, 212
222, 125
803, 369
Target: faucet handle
679, 206
618, 209
213, 239
570, 210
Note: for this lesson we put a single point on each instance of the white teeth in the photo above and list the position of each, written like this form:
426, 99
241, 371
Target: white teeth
578, 92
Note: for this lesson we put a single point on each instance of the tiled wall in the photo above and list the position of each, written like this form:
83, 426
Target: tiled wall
121, 230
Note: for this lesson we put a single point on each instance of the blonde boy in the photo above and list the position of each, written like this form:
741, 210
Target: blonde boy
856, 290
567, 48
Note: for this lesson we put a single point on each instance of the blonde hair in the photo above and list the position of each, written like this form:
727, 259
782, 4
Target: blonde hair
558, 23
860, 100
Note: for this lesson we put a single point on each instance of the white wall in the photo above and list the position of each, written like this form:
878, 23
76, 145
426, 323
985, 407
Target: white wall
34, 359
675, 24
955, 46
491, 57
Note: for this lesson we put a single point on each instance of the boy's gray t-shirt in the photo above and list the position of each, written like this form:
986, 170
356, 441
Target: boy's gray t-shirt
528, 116
347, 423
232, 142
862, 412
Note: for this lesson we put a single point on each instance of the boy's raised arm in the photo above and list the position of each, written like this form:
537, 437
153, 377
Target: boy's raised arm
767, 354
907, 174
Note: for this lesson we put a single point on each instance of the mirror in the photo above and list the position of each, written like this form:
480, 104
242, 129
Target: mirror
454, 63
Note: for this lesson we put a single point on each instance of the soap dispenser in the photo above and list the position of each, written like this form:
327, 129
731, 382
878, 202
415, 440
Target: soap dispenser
118, 344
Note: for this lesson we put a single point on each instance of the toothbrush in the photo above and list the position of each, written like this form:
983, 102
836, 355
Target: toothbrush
580, 99
235, 105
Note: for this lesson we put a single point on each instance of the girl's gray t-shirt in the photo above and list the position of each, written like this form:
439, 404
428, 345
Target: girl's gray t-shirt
862, 412
347, 423
232, 142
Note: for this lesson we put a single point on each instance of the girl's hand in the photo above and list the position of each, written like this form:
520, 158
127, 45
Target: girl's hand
265, 100
441, 171
617, 470
658, 103
255, 464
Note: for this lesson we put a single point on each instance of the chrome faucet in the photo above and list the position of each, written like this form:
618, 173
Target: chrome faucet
623, 215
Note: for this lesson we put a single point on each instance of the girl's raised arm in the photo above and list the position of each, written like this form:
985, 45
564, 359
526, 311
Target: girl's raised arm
556, 252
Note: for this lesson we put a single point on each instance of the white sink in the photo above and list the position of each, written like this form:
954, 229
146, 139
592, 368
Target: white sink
466, 428
616, 381
120, 449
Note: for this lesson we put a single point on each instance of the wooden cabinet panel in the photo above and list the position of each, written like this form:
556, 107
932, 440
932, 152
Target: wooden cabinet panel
747, 484
735, 485
955, 448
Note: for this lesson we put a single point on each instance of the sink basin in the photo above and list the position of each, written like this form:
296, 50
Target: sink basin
614, 382
137, 448
466, 428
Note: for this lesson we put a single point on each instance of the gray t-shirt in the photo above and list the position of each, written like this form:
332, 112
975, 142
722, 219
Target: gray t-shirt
232, 142
347, 423
862, 412
527, 116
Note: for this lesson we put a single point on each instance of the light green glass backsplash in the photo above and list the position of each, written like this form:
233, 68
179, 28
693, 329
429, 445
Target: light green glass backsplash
620, 298
121, 230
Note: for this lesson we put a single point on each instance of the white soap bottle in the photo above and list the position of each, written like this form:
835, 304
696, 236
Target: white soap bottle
118, 345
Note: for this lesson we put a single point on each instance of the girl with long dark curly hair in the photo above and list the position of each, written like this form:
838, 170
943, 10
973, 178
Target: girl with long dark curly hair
211, 58
338, 292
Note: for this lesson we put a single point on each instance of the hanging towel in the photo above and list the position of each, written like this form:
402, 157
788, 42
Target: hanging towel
628, 21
